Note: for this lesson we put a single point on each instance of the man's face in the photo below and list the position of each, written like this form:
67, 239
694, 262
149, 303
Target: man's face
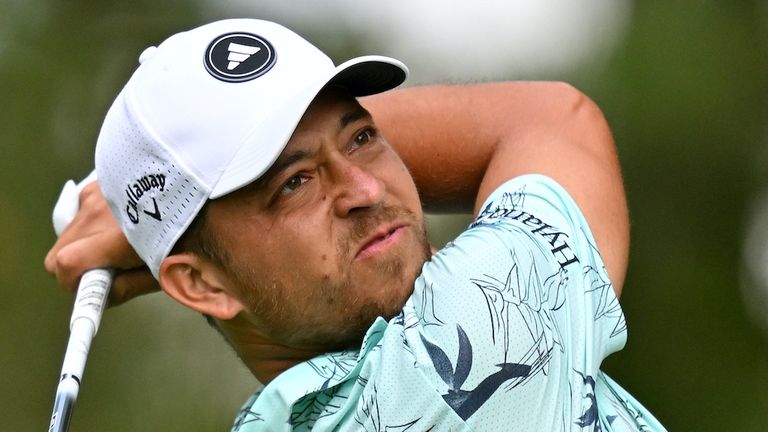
331, 237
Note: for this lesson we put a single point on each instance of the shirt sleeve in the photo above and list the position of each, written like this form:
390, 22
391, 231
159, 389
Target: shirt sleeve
537, 213
518, 310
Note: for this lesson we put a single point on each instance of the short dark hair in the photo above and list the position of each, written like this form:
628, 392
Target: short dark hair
199, 240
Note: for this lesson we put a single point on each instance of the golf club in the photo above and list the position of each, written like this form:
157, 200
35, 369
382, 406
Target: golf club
89, 305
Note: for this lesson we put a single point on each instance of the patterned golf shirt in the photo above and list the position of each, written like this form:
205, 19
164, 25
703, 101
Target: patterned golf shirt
505, 331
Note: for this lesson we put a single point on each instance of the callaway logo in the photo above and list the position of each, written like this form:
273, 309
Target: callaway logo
239, 57
137, 190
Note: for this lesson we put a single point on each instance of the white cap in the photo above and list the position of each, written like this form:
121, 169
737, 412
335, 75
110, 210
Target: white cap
207, 112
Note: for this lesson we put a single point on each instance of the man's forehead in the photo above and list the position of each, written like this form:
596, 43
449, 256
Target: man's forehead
330, 98
333, 109
335, 101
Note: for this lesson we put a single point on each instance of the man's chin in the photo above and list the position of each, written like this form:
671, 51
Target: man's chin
347, 329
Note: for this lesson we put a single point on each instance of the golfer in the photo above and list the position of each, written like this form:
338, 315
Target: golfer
283, 197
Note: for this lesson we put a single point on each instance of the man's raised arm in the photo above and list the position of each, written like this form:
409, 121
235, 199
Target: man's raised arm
462, 141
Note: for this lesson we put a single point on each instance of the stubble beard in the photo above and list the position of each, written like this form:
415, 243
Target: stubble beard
347, 314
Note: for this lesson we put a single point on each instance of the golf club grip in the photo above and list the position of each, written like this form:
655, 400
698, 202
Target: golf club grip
92, 294
91, 297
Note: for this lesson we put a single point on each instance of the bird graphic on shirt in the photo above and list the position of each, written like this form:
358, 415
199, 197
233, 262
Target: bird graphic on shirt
466, 402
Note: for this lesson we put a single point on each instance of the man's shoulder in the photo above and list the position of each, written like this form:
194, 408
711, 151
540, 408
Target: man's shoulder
521, 198
531, 215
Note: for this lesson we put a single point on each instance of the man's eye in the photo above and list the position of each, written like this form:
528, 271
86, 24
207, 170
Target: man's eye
364, 137
292, 184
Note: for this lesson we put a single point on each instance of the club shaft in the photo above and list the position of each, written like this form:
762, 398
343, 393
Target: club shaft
86, 316
66, 394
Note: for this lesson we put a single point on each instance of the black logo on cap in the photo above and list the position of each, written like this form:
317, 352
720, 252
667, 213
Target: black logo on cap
238, 57
148, 185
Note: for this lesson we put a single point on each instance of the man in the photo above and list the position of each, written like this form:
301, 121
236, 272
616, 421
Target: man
260, 192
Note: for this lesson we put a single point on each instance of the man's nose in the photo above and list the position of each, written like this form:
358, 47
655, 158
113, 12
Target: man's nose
356, 189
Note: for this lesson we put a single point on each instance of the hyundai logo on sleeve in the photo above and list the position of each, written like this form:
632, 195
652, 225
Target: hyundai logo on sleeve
239, 57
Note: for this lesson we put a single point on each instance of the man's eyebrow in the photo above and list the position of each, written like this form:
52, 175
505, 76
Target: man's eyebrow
286, 160
281, 164
358, 113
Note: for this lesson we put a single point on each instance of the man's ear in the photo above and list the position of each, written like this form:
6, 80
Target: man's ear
199, 285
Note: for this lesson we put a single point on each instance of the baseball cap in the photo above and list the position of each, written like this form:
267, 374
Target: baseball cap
207, 112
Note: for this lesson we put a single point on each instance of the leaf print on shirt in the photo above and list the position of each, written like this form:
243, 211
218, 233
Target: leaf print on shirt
532, 298
334, 366
597, 282
369, 416
306, 411
587, 391
244, 417
427, 312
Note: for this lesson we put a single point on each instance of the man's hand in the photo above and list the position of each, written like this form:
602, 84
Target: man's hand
94, 240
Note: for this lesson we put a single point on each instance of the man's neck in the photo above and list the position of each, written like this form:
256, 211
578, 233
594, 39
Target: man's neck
263, 357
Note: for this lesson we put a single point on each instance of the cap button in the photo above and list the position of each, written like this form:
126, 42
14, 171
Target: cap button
147, 54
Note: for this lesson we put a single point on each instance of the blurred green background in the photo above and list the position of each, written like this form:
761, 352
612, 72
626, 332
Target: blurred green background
683, 84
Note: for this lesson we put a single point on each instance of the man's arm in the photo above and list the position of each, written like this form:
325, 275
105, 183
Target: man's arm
462, 141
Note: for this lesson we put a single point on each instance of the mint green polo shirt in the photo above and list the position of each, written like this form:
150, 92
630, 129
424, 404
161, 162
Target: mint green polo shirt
505, 331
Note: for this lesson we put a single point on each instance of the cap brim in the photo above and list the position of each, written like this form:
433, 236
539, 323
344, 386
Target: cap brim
369, 75
361, 76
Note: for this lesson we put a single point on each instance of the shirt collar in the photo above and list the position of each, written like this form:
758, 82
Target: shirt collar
321, 372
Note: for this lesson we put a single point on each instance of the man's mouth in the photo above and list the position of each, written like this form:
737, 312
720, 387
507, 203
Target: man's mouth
380, 241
